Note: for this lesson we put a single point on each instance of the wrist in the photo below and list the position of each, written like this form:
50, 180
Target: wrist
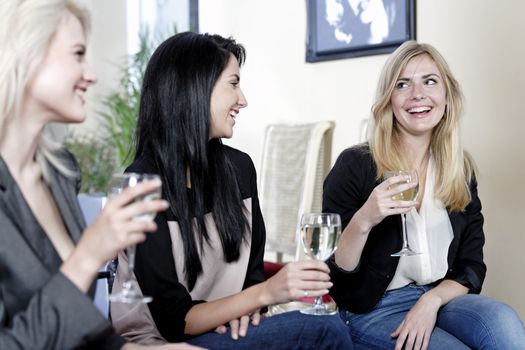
433, 299
361, 223
263, 296
81, 270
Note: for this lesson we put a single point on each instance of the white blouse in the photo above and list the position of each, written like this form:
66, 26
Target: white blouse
429, 233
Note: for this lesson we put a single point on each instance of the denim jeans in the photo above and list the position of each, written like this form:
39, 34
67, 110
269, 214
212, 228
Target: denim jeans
470, 321
291, 330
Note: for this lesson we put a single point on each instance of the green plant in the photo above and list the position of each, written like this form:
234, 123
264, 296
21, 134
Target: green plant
96, 160
122, 106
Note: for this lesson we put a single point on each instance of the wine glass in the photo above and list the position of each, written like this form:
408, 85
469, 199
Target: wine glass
118, 182
408, 195
319, 235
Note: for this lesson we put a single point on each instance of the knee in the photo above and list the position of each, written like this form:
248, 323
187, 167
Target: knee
507, 318
500, 322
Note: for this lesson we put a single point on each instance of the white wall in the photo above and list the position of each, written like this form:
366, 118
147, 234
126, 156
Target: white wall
106, 52
485, 48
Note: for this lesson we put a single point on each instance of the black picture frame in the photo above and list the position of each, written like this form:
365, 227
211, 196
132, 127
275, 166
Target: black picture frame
339, 29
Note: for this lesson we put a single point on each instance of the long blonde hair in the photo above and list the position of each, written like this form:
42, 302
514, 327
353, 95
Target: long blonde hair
454, 167
26, 30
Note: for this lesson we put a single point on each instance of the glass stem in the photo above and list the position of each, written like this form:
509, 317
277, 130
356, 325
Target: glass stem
131, 260
405, 236
318, 302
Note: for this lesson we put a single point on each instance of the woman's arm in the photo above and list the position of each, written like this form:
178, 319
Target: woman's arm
112, 231
58, 316
350, 190
288, 284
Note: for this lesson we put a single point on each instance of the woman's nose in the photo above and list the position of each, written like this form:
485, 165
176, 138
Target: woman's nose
89, 74
242, 102
417, 92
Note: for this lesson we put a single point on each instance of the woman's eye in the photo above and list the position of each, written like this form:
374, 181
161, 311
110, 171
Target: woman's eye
401, 84
80, 54
431, 81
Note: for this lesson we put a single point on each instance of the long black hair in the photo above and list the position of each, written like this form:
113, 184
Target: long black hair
173, 128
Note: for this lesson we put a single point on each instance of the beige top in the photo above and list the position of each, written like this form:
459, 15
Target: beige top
218, 279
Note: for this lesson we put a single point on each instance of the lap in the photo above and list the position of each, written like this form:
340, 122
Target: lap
291, 330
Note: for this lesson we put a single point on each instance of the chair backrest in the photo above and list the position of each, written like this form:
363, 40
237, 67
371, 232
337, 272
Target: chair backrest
91, 206
295, 161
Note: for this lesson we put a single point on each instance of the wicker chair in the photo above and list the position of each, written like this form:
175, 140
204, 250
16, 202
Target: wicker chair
295, 161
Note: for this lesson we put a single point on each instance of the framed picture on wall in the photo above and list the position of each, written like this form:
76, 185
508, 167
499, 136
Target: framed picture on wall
351, 28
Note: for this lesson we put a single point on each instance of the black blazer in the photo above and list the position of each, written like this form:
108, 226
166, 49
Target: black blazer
346, 189
39, 307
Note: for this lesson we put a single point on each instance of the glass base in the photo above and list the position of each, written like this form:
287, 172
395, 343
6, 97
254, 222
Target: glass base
129, 296
318, 311
405, 252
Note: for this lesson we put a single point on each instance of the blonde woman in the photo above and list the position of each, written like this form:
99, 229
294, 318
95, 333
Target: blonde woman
429, 300
48, 259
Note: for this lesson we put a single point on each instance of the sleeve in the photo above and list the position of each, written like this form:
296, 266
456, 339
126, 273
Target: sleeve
341, 195
255, 272
51, 321
346, 189
468, 267
157, 277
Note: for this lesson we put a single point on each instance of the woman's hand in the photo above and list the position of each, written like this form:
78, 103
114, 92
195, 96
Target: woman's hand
416, 328
112, 231
239, 327
380, 203
308, 278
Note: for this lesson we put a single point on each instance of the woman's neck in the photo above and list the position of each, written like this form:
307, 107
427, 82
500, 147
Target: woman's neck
18, 146
417, 152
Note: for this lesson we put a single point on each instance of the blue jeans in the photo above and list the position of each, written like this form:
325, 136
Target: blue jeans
291, 330
469, 321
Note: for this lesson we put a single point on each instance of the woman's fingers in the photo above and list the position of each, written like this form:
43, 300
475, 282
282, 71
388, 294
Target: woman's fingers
243, 325
221, 329
130, 193
234, 329
256, 318
309, 265
139, 208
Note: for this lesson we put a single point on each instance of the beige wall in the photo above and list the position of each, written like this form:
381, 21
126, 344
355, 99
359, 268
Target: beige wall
485, 46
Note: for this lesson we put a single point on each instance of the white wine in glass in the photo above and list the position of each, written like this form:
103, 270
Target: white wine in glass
118, 182
407, 195
319, 235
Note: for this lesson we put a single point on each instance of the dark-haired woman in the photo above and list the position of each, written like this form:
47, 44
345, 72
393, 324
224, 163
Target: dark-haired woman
204, 268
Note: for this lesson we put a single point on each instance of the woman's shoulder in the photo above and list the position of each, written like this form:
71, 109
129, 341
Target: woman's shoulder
143, 164
359, 153
240, 159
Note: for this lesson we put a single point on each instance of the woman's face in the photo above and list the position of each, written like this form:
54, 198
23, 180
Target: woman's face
227, 99
419, 97
56, 89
